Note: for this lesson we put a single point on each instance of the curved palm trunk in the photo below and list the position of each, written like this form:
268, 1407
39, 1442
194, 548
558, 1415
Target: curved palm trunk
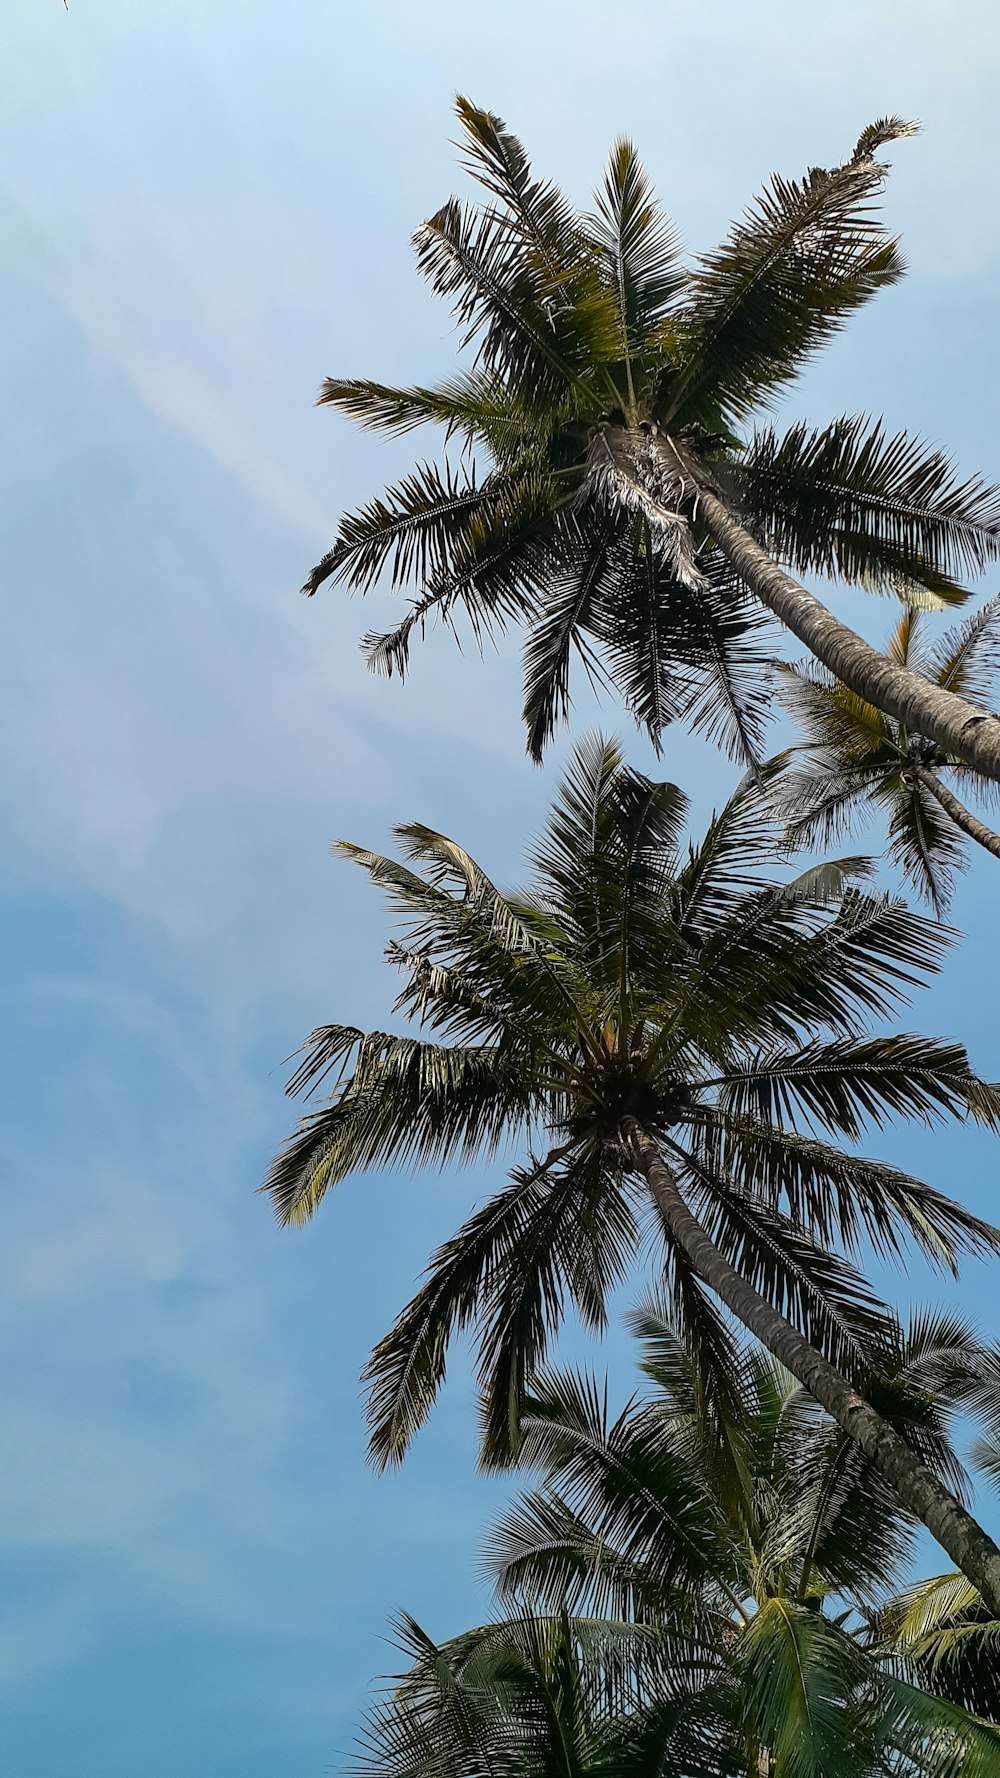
968, 1545
957, 726
659, 476
964, 818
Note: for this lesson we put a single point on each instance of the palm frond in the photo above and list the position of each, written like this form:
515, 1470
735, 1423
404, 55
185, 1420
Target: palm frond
817, 1291
644, 626
640, 254
474, 404
413, 530
940, 1738
853, 1084
850, 501
925, 845
843, 1198
496, 159
719, 872
503, 299
631, 1482
805, 257
575, 1249
692, 1354
565, 618
406, 1101
801, 1676
834, 719
967, 659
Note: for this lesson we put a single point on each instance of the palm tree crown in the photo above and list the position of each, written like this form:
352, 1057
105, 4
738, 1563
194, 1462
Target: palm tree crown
635, 994
853, 755
606, 494
761, 1554
671, 1611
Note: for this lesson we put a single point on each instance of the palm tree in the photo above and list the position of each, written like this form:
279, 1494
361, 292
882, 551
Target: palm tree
530, 1698
620, 506
784, 1693
654, 1029
666, 1621
854, 755
761, 1553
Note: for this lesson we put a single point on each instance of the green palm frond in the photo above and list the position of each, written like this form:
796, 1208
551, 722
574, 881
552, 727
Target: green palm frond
805, 257
967, 659
925, 845
848, 501
801, 1676
475, 405
939, 1738
535, 208
835, 720
853, 1084
630, 1482
818, 1292
941, 1632
726, 864
412, 530
787, 961
503, 300
640, 254
406, 1102
841, 1197
541, 1548
577, 1246
691, 1353
534, 1218
733, 654
562, 628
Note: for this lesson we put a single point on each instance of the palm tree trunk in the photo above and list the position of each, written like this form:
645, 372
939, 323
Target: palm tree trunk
968, 1545
964, 818
926, 709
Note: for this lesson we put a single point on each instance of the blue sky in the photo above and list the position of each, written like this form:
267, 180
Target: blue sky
206, 207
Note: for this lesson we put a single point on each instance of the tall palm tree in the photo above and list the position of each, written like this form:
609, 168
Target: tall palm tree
769, 1579
607, 494
655, 1029
854, 755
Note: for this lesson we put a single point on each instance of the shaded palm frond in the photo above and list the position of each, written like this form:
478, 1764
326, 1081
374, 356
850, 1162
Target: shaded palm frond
850, 501
852, 1084
925, 844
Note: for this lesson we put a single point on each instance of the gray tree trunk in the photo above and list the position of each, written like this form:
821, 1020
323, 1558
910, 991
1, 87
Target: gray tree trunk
957, 726
968, 1545
658, 476
964, 818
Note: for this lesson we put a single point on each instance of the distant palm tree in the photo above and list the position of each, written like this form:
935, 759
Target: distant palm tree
761, 1551
674, 1613
655, 1028
530, 1698
853, 756
621, 509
